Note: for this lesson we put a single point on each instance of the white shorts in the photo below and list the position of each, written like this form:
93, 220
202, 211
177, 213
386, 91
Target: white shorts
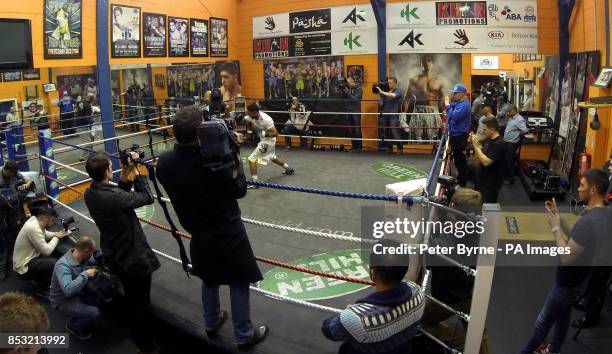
263, 153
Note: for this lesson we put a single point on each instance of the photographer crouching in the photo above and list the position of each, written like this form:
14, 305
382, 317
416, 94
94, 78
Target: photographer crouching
297, 124
124, 245
220, 250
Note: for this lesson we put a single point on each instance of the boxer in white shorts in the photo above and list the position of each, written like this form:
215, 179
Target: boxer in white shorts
263, 125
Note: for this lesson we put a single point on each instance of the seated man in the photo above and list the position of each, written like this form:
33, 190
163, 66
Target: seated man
70, 276
297, 124
33, 248
400, 306
20, 313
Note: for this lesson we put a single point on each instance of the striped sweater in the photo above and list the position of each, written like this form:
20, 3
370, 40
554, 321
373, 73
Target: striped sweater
383, 322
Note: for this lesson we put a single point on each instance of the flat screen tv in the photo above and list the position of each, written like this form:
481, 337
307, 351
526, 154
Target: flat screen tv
16, 43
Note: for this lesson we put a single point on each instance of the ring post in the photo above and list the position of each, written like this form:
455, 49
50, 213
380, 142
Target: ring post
15, 148
4, 132
49, 169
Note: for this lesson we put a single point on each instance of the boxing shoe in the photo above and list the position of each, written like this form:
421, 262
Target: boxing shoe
289, 171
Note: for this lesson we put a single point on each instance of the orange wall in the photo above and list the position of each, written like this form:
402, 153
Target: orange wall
588, 27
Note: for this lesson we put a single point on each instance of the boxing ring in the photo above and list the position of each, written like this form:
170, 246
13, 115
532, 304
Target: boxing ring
283, 208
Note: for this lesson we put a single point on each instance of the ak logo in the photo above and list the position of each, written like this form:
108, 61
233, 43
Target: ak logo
351, 40
355, 15
410, 39
408, 12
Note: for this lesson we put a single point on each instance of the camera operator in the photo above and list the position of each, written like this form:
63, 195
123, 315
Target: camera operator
32, 258
124, 245
352, 103
391, 102
13, 187
71, 274
297, 124
220, 250
491, 160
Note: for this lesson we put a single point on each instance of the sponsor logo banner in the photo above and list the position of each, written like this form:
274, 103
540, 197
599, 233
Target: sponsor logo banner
271, 48
461, 13
271, 26
513, 40
486, 62
410, 40
461, 39
512, 13
350, 17
411, 14
354, 42
310, 44
310, 21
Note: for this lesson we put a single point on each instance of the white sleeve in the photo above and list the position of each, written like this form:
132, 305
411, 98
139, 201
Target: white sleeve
38, 241
269, 123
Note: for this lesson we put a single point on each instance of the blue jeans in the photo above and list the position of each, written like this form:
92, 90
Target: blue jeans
292, 130
557, 310
239, 296
354, 120
82, 316
390, 130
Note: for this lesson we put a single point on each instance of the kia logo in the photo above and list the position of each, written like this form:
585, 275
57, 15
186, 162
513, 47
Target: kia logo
496, 34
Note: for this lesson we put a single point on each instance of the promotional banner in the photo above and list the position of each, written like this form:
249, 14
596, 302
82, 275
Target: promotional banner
310, 21
352, 17
461, 39
512, 40
227, 79
270, 48
62, 29
125, 22
411, 14
218, 37
354, 42
409, 40
154, 33
461, 13
178, 36
310, 44
271, 25
199, 37
512, 13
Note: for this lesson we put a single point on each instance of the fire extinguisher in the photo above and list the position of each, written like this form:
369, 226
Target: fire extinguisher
584, 163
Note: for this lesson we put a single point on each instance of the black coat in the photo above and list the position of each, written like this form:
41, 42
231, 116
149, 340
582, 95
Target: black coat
207, 207
123, 243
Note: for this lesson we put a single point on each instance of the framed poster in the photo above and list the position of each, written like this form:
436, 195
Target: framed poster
31, 74
198, 37
355, 72
218, 37
62, 29
11, 75
125, 24
154, 34
178, 36
603, 79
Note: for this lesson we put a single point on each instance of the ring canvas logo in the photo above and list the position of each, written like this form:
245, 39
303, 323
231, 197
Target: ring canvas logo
303, 286
146, 212
398, 171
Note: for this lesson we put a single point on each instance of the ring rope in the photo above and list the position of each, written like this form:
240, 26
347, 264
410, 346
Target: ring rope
353, 113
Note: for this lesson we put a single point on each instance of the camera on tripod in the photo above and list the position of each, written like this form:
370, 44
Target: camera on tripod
124, 154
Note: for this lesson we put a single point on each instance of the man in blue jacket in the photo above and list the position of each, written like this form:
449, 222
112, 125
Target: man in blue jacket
458, 113
70, 275
66, 106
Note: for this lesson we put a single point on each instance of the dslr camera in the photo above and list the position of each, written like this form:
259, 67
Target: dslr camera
123, 154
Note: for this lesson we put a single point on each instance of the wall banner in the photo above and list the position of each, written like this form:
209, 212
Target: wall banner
354, 42
310, 21
411, 14
461, 13
352, 17
271, 26
310, 44
512, 13
271, 48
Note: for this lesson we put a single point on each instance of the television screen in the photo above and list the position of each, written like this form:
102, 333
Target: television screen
16, 44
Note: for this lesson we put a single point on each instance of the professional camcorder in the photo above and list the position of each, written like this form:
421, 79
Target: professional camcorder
123, 154
449, 183
66, 222
218, 146
384, 85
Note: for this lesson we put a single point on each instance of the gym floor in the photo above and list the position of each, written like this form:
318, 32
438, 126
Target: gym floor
517, 295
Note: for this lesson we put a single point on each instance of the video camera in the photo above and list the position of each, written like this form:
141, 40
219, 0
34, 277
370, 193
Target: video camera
384, 85
67, 222
218, 146
123, 154
449, 183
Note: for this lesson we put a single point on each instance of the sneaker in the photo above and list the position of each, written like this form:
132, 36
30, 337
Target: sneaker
213, 332
252, 186
260, 333
289, 171
79, 334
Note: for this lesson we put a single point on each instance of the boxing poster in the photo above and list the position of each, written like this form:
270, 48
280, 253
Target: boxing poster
189, 81
218, 37
125, 23
271, 48
62, 29
424, 79
178, 36
31, 74
154, 33
199, 37
227, 79
75, 85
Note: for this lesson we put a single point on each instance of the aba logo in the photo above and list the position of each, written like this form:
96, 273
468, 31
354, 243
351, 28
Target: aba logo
462, 38
355, 15
351, 40
509, 15
529, 14
410, 39
496, 34
493, 11
408, 12
270, 25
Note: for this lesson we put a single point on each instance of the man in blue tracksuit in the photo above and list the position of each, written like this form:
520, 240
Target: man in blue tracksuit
458, 113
